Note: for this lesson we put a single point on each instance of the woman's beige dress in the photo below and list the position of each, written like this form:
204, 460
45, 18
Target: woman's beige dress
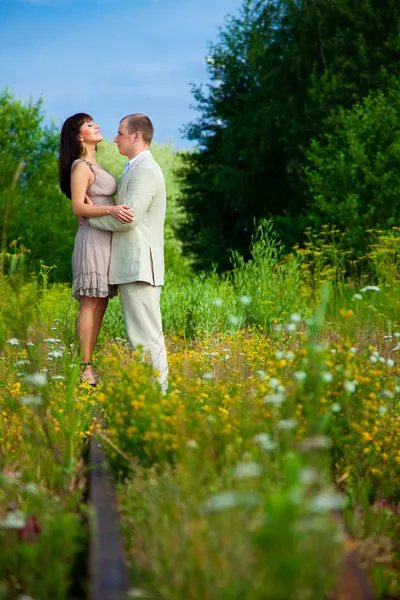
92, 248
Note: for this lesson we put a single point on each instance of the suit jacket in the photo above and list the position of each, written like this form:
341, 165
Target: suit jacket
137, 248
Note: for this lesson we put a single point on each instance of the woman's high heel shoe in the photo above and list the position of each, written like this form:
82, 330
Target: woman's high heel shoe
84, 365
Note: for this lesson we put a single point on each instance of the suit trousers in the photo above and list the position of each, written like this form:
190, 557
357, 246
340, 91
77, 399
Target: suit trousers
142, 316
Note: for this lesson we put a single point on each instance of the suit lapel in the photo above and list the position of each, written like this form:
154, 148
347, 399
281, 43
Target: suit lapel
128, 175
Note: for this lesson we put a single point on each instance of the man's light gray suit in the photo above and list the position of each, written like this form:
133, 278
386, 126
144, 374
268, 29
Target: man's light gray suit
137, 257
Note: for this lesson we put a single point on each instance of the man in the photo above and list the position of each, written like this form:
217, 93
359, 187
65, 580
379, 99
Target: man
137, 250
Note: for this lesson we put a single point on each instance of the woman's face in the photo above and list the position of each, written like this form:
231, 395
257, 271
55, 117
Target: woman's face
90, 133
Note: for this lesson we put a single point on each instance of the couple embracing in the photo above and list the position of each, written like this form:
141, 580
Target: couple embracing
118, 246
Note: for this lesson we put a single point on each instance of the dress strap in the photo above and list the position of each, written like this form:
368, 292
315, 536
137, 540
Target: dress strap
82, 160
85, 161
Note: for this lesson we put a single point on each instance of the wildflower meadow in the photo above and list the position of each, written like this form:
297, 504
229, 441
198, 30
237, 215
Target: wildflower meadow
282, 413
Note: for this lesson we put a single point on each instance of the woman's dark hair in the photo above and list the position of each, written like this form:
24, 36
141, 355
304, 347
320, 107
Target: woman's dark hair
70, 149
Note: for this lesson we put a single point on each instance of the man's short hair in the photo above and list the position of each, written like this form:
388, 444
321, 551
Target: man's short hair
139, 122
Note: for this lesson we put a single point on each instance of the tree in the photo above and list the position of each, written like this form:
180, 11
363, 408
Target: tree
354, 169
278, 71
39, 216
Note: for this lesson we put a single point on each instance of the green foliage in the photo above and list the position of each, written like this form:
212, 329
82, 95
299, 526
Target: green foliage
38, 214
354, 168
278, 70
256, 292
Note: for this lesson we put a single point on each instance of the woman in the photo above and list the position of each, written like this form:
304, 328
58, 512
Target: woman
91, 190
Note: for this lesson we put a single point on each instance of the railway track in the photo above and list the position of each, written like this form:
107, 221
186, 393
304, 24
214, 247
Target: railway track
108, 572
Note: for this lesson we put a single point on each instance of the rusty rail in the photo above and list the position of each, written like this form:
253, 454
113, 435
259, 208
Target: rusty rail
108, 571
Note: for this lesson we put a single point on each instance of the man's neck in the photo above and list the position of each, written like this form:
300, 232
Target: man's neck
137, 152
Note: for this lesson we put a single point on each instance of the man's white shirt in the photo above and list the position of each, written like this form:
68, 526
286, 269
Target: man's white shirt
133, 160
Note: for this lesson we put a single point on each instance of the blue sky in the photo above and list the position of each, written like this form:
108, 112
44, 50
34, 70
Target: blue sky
110, 57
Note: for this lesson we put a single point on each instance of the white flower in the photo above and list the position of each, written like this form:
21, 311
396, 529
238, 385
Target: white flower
289, 355
30, 344
373, 359
226, 500
53, 328
31, 488
388, 394
382, 410
274, 399
212, 354
387, 337
349, 386
397, 334
36, 379
261, 374
22, 362
357, 297
279, 354
13, 342
14, 520
273, 383
56, 354
51, 340
245, 300
308, 475
295, 318
291, 327
397, 348
208, 376
31, 400
335, 407
218, 302
326, 501
316, 442
326, 377
233, 320
264, 441
221, 501
58, 377
353, 350
192, 444
287, 424
300, 376
278, 328
381, 359
247, 470
370, 288
225, 357
390, 362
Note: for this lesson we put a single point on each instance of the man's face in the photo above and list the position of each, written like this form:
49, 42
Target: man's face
125, 141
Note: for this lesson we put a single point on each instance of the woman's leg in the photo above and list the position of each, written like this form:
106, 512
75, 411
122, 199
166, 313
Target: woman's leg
84, 329
98, 319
